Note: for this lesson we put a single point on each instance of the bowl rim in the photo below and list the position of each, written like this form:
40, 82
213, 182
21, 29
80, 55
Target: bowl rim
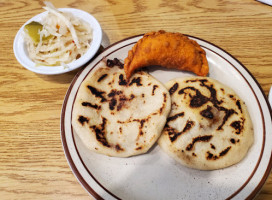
21, 53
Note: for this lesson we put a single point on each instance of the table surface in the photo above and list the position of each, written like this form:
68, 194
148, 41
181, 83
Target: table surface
32, 161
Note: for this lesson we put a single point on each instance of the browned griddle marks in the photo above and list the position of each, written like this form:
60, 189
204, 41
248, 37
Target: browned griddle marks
174, 134
112, 103
118, 147
216, 103
154, 88
225, 151
213, 97
228, 113
83, 119
141, 121
88, 104
205, 138
112, 100
212, 146
239, 106
121, 130
198, 100
97, 93
238, 126
122, 100
136, 80
174, 117
132, 96
114, 92
164, 103
211, 156
192, 81
115, 61
118, 99
207, 113
173, 88
102, 77
122, 81
232, 140
100, 132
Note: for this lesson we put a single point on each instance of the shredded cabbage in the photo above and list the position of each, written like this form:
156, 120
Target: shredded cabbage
70, 38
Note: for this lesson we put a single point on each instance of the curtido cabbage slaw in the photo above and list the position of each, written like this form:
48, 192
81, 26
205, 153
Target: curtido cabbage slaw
63, 38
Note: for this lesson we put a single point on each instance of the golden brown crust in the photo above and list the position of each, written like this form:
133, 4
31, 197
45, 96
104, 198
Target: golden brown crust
170, 50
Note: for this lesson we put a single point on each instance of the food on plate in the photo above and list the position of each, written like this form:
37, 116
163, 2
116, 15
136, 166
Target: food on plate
58, 39
170, 50
33, 30
208, 127
116, 117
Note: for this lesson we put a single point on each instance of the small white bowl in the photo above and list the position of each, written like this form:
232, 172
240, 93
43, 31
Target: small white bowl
21, 53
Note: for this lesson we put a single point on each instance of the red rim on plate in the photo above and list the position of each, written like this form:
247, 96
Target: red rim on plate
263, 106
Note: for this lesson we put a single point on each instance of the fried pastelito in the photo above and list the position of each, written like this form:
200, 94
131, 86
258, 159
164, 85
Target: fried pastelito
170, 50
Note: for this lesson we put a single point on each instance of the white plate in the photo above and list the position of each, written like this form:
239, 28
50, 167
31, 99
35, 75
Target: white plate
154, 175
21, 53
